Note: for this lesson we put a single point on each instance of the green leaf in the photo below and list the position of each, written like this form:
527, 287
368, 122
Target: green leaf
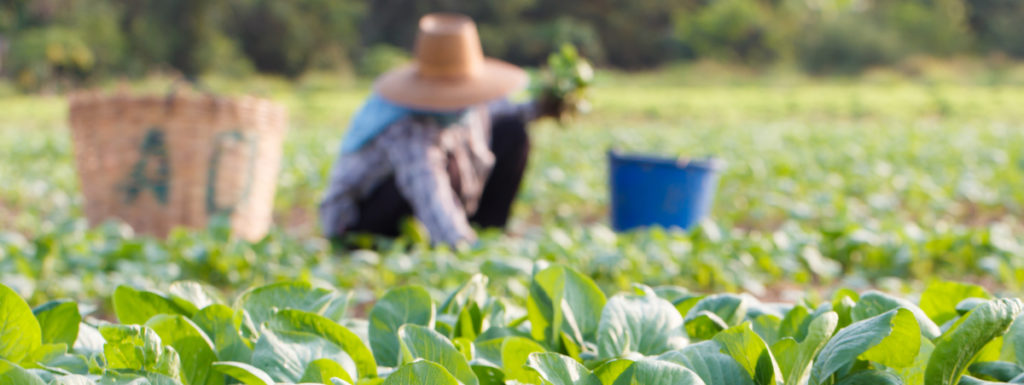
45, 353
892, 339
843, 302
138, 348
729, 308
222, 324
710, 364
873, 303
563, 300
968, 380
473, 291
647, 324
515, 354
399, 306
464, 346
135, 307
914, 374
1013, 342
11, 374
338, 381
285, 355
756, 309
195, 293
89, 340
751, 352
262, 302
192, 344
570, 347
674, 294
899, 348
470, 322
998, 370
421, 373
687, 302
991, 350
940, 298
73, 379
53, 358
445, 324
653, 372
795, 322
559, 369
58, 321
871, 377
956, 348
321, 371
795, 358
19, 331
767, 326
611, 370
247, 374
704, 325
135, 378
489, 351
65, 363
965, 306
489, 375
300, 321
418, 342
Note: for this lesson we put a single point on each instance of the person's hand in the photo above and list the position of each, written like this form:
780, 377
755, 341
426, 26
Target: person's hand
550, 106
561, 92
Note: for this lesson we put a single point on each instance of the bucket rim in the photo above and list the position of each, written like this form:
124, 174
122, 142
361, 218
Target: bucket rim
710, 163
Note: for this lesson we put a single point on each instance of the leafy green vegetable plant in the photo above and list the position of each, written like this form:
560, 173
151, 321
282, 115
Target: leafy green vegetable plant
564, 332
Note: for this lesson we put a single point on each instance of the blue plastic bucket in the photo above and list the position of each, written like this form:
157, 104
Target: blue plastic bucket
653, 191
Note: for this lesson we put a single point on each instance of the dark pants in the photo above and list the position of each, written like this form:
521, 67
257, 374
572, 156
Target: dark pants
383, 210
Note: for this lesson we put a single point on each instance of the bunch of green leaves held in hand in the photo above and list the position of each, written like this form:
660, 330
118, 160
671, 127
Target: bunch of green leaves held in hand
561, 90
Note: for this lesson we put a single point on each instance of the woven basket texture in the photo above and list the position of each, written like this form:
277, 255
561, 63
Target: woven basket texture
160, 162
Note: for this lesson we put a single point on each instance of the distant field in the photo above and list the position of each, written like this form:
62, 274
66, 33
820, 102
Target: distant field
827, 181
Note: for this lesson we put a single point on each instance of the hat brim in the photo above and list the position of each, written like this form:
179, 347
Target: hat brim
402, 86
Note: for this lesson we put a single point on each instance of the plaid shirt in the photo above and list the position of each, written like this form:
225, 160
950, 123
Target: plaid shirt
423, 157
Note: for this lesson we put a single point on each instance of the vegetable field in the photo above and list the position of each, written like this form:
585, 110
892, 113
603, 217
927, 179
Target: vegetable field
880, 186
568, 333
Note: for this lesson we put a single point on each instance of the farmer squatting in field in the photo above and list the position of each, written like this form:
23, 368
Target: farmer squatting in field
437, 139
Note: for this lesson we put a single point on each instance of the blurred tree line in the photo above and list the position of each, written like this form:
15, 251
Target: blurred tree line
48, 42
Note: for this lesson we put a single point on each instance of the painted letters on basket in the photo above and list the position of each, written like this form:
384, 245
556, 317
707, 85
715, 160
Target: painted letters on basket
222, 143
152, 171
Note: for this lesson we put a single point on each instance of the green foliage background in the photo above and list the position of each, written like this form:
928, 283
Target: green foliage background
55, 43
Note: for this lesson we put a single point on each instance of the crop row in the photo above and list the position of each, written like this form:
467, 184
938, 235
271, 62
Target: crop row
565, 331
86, 265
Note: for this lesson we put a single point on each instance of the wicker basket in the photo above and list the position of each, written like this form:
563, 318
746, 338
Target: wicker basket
161, 162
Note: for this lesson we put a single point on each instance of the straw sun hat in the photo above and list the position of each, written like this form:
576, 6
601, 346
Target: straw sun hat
450, 71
